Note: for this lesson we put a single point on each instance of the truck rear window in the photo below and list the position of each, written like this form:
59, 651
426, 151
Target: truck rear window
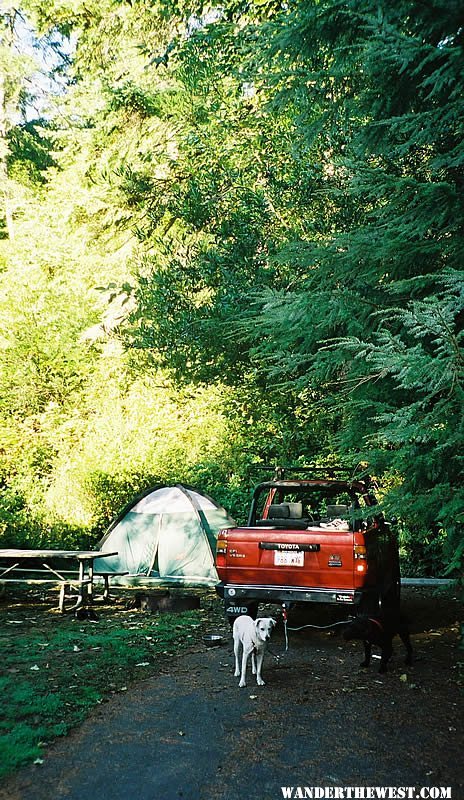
319, 505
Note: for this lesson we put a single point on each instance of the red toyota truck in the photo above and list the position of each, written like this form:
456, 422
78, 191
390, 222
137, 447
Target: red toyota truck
318, 540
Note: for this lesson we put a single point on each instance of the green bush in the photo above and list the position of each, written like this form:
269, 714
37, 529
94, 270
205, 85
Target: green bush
109, 494
423, 553
21, 527
17, 527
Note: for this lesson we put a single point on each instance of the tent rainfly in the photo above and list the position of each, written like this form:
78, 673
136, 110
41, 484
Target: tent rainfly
168, 533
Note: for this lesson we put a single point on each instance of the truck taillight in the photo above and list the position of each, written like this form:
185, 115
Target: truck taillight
221, 545
360, 556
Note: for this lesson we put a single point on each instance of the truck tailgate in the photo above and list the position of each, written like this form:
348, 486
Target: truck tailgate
315, 557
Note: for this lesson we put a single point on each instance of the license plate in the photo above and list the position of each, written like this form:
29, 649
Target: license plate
288, 559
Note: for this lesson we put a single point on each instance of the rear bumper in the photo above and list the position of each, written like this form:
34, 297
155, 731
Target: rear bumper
235, 594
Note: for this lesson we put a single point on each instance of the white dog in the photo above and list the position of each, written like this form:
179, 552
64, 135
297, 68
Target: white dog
252, 634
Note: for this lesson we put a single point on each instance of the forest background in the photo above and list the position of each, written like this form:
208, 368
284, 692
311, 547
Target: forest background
231, 237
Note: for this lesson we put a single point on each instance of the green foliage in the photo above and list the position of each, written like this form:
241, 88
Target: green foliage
131, 98
276, 189
24, 525
383, 293
30, 153
14, 527
424, 554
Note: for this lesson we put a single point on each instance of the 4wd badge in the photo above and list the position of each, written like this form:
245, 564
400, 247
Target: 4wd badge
237, 610
335, 560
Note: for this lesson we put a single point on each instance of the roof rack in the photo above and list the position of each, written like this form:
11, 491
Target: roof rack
280, 472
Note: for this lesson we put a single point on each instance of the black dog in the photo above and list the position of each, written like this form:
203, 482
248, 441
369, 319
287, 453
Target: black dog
380, 631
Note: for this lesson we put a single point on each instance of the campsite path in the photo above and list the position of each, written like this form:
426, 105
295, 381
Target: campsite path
192, 734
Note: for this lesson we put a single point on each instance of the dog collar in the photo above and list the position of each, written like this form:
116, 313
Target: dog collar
376, 622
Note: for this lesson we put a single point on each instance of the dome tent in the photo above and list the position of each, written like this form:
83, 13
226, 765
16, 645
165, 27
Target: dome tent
167, 533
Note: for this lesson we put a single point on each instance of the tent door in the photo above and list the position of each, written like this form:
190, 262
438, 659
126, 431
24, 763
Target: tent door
154, 566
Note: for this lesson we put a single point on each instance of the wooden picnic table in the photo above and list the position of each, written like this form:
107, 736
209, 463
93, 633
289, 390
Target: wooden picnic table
12, 561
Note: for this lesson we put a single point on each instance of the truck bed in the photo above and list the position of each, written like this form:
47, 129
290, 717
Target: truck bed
315, 557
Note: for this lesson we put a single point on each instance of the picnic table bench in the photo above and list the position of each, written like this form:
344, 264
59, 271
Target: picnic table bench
106, 582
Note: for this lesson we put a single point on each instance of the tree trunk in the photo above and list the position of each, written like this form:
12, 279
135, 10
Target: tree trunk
6, 217
6, 224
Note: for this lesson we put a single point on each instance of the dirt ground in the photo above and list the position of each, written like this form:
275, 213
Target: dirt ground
319, 721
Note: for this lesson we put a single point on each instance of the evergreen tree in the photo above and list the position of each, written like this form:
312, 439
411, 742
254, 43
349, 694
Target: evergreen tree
14, 68
382, 296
